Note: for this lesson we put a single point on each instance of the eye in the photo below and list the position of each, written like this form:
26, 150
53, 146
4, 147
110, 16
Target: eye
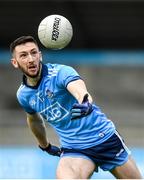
24, 55
34, 53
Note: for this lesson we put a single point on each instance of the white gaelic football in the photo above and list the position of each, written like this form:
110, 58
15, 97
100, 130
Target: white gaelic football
55, 32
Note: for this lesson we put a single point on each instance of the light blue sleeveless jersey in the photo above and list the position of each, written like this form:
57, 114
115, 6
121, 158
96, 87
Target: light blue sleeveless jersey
53, 102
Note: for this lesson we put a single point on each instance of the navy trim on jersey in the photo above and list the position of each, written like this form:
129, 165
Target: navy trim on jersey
74, 79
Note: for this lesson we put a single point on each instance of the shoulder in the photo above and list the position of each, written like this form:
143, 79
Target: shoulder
59, 69
23, 93
57, 66
20, 94
20, 90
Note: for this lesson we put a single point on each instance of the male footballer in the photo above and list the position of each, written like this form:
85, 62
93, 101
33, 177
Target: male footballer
56, 94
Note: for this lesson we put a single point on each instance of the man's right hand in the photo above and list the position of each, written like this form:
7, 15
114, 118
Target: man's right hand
52, 150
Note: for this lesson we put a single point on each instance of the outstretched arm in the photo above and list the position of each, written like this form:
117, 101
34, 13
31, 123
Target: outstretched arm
83, 107
38, 128
78, 89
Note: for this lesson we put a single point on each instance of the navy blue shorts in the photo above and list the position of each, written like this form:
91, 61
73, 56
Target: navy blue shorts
108, 155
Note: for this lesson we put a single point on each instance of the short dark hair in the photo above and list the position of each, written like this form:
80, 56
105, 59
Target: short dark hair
22, 40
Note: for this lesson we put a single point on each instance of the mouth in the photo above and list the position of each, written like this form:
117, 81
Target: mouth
32, 68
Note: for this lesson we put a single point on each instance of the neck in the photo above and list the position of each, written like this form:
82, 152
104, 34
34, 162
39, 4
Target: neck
32, 81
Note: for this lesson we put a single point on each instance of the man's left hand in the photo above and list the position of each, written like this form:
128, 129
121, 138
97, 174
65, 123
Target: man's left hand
80, 110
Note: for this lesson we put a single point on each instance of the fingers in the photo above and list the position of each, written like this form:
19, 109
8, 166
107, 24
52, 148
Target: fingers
80, 110
75, 113
78, 106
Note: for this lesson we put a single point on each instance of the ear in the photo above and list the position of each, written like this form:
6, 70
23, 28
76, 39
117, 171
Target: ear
14, 62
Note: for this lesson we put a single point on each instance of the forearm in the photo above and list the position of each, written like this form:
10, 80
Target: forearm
38, 129
78, 90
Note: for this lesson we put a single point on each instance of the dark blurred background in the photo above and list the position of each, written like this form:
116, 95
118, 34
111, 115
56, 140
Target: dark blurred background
97, 23
107, 49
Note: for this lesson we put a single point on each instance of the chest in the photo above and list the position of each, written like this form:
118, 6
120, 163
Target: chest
51, 101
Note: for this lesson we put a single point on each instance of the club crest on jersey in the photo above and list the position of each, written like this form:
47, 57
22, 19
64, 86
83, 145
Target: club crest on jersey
49, 93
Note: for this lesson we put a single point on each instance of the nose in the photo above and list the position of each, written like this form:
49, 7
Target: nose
30, 58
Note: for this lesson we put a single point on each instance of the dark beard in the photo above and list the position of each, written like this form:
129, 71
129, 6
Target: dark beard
27, 74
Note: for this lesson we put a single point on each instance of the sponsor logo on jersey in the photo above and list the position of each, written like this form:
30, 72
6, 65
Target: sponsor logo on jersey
54, 113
